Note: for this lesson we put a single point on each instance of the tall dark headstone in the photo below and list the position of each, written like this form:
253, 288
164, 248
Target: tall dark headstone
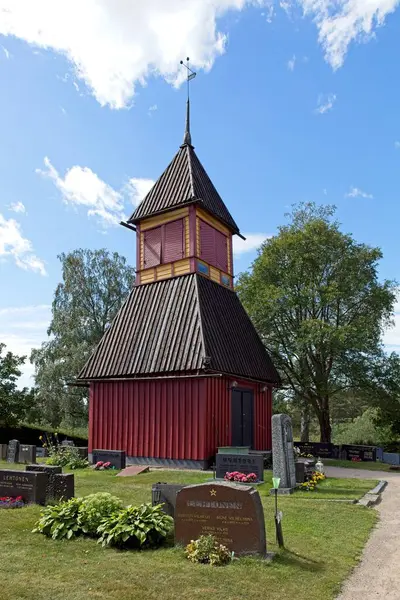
27, 454
50, 471
232, 513
63, 486
117, 458
3, 451
31, 486
283, 453
13, 451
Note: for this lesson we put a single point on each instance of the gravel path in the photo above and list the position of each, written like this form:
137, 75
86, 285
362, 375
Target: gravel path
377, 577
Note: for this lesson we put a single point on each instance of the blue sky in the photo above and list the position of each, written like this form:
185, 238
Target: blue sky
294, 101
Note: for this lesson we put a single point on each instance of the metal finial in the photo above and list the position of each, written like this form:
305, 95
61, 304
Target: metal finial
191, 75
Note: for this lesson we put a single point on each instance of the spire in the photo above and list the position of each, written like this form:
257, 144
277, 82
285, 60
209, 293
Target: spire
187, 139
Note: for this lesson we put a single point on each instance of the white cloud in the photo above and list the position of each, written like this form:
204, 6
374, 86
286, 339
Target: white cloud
17, 207
21, 329
325, 103
341, 22
13, 245
6, 52
291, 63
152, 109
251, 243
82, 187
115, 45
357, 193
136, 189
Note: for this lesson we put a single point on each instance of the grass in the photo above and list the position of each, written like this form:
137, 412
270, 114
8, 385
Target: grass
323, 541
348, 464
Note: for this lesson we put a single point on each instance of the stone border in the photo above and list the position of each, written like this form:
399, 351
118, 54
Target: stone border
372, 497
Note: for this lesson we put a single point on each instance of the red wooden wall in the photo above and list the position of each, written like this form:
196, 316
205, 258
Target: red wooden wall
182, 419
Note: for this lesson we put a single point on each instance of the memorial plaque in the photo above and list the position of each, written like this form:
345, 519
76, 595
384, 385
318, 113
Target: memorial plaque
232, 513
362, 453
3, 451
117, 458
50, 471
318, 449
13, 451
31, 486
244, 463
63, 486
27, 454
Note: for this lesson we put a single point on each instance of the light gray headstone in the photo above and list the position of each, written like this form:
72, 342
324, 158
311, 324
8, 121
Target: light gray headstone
282, 452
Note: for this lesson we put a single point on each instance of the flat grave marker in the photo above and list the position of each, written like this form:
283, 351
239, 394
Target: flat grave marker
362, 453
244, 463
232, 513
117, 458
31, 486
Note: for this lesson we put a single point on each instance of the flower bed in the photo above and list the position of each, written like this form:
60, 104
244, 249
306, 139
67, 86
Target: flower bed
309, 486
11, 502
240, 477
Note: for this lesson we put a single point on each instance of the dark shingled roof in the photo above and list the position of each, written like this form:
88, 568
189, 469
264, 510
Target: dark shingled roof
183, 182
188, 324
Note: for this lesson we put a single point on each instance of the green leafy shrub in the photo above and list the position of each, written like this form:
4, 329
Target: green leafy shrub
143, 526
363, 430
95, 508
61, 520
66, 456
207, 550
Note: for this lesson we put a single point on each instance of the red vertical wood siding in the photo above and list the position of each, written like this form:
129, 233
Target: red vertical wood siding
182, 419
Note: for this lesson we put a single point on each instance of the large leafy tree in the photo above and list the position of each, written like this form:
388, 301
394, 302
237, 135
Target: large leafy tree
14, 402
314, 295
93, 288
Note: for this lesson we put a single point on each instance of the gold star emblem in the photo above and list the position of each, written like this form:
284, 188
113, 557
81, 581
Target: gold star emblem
213, 492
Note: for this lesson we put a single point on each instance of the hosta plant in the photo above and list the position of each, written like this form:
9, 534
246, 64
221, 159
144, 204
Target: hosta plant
95, 508
208, 550
143, 526
61, 520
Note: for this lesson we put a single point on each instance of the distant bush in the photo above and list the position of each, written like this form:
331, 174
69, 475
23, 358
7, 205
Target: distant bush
95, 508
362, 430
66, 456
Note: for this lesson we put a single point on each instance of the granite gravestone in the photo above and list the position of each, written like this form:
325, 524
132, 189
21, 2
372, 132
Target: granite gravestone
165, 494
31, 486
41, 452
13, 451
244, 463
3, 451
117, 458
232, 513
63, 486
318, 449
358, 453
27, 454
67, 443
283, 453
50, 472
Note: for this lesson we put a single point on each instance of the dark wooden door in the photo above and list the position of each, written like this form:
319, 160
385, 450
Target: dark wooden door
242, 417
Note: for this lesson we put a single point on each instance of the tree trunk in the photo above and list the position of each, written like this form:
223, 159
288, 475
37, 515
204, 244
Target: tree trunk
305, 423
325, 421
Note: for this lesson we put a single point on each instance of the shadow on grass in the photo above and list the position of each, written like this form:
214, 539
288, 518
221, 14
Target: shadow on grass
293, 559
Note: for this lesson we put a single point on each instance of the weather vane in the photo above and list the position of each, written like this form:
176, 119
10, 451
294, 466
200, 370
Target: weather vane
190, 74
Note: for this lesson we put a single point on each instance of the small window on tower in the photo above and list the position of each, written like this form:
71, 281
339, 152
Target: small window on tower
173, 242
152, 247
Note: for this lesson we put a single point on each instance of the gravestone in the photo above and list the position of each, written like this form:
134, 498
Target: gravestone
244, 463
63, 486
362, 453
83, 451
318, 449
67, 443
304, 469
13, 451
27, 454
3, 451
41, 452
232, 513
117, 458
31, 486
50, 471
283, 453
165, 494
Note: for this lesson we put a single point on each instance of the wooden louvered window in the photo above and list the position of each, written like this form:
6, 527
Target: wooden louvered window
152, 247
173, 242
213, 246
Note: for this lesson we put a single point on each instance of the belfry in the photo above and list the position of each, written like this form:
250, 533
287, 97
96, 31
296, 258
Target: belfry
182, 369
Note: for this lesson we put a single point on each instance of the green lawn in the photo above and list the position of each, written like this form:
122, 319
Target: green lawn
323, 541
348, 464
